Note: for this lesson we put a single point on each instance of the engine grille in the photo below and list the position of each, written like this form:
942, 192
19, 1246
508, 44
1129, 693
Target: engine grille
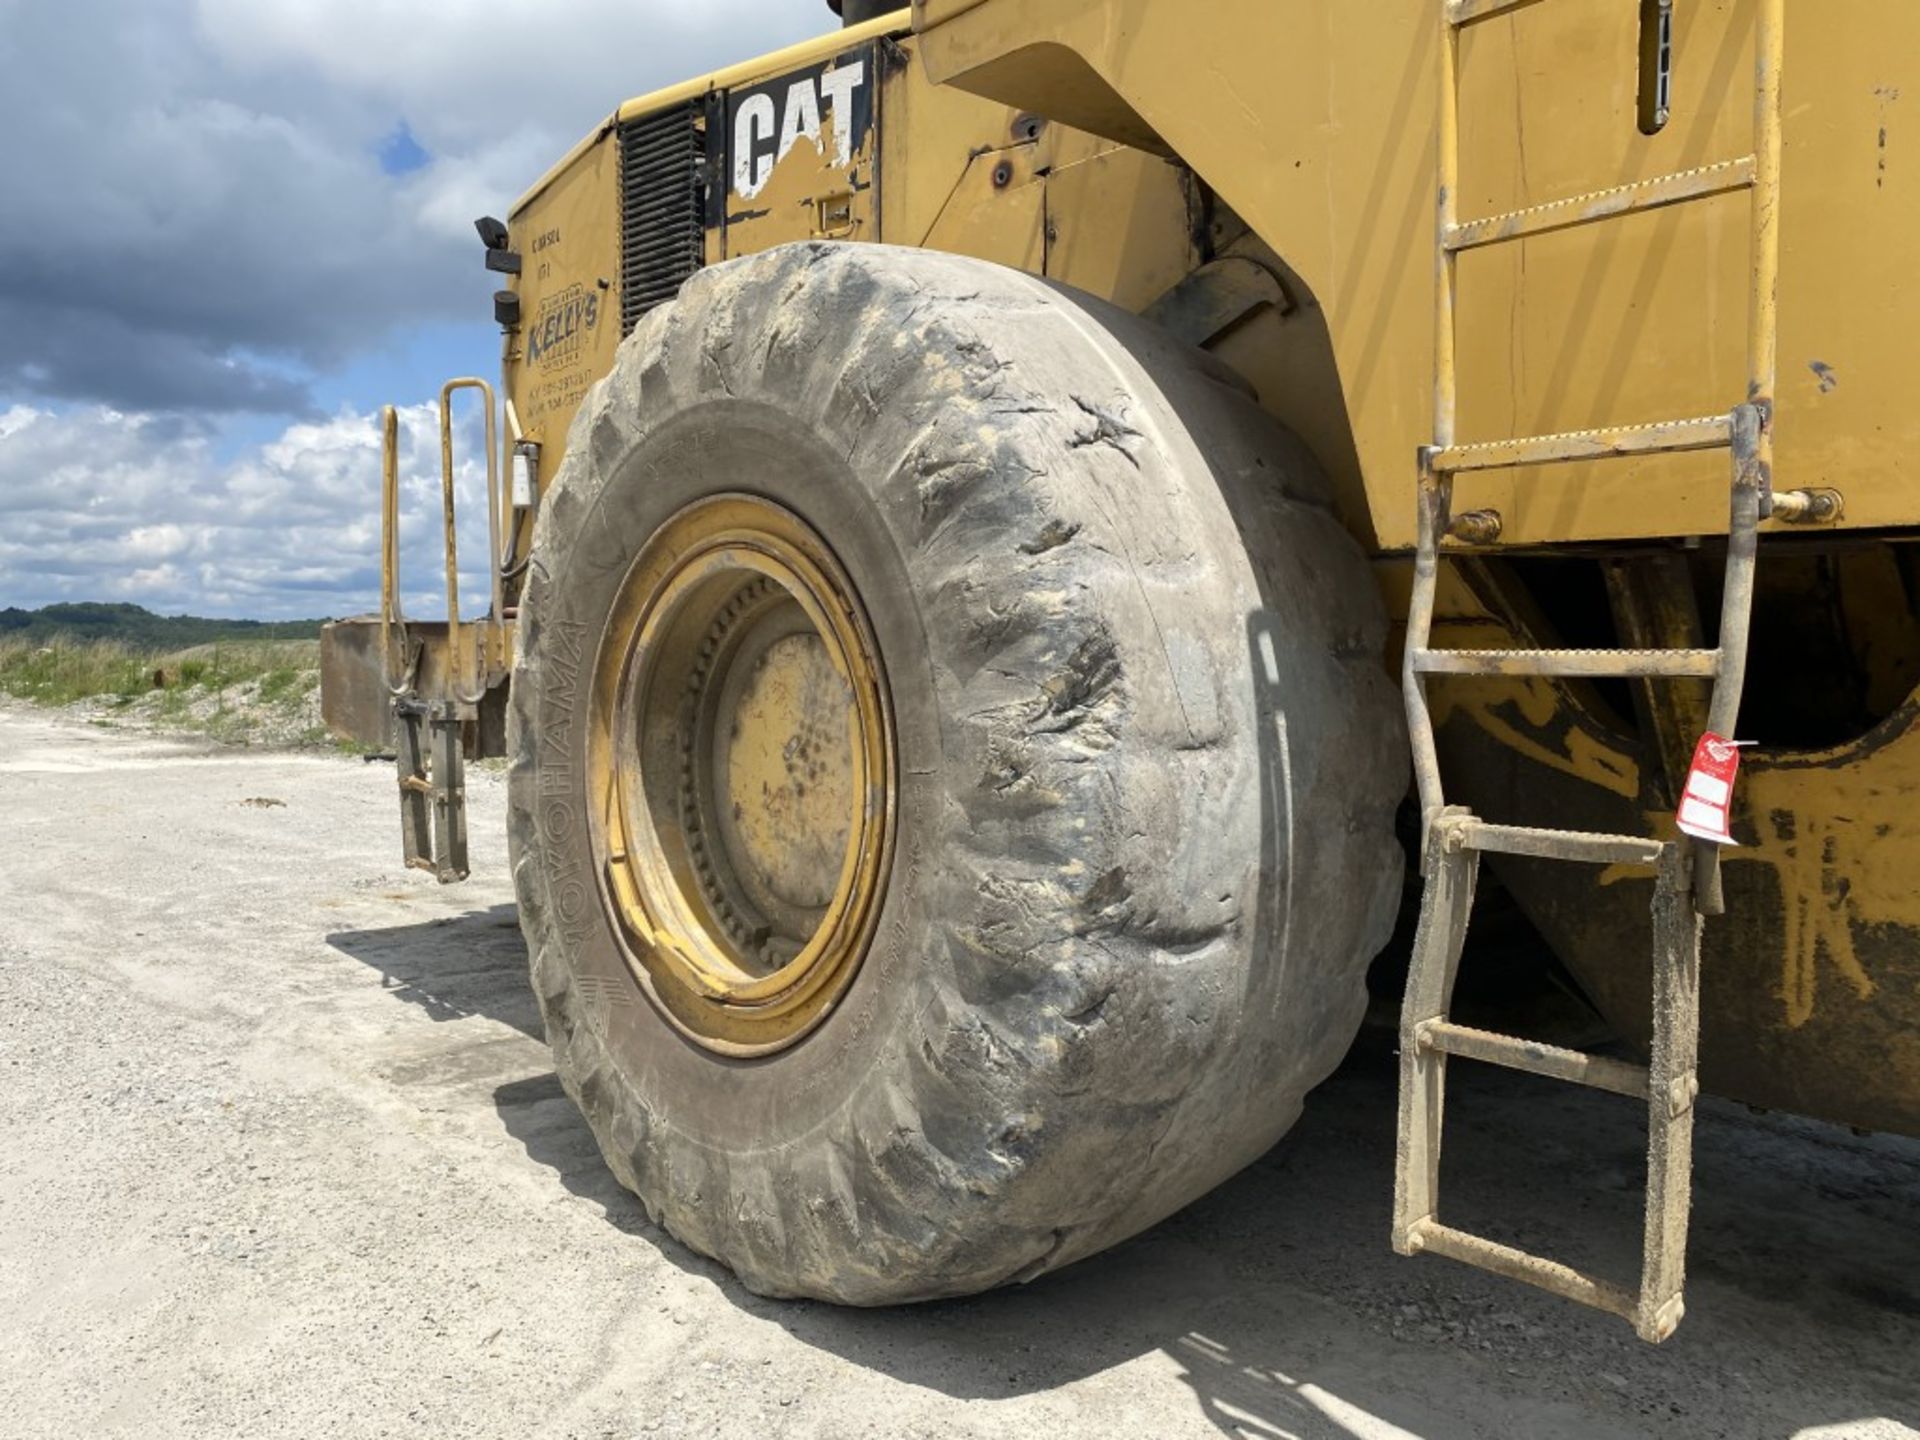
662, 201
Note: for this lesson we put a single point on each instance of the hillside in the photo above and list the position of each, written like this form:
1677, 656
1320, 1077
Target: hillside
138, 628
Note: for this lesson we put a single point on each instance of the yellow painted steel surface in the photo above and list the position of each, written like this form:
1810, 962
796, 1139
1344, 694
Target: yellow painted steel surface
1315, 123
569, 243
748, 72
939, 168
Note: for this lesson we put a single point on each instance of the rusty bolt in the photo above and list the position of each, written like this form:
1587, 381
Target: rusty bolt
1477, 527
1808, 507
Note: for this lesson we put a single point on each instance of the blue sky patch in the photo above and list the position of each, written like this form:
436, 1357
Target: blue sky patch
400, 153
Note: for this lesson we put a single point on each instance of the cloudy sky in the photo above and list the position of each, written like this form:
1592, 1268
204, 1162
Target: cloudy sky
233, 229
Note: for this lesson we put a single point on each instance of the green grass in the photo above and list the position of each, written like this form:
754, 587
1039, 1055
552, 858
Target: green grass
230, 690
65, 671
282, 682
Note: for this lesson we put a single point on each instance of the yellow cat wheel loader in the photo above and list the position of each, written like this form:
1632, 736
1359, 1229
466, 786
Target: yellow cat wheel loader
962, 490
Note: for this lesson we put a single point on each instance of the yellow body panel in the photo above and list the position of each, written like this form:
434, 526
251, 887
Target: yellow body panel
1315, 123
938, 168
569, 305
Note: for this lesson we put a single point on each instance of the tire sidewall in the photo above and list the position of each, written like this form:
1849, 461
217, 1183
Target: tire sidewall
711, 448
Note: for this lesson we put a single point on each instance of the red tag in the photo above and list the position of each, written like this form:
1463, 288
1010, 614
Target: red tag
1709, 793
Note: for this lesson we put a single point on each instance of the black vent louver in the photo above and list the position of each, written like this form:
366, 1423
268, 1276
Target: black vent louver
661, 204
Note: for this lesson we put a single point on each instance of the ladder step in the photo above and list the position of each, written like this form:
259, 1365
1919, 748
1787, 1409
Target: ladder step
1648, 664
1596, 1072
433, 788
1709, 432
1563, 1280
1465, 12
1579, 845
1721, 178
416, 789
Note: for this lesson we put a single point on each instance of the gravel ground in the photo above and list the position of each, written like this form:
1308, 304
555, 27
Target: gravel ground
284, 1156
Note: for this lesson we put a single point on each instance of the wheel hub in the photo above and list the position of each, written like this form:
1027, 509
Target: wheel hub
743, 757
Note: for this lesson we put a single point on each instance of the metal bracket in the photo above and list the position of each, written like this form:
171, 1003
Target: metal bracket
431, 763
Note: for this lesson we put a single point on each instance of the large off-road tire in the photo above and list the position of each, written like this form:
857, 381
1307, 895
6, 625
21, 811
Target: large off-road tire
1130, 756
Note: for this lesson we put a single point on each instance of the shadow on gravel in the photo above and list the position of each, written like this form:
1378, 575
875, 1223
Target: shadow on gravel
1278, 1301
476, 964
539, 1114
453, 967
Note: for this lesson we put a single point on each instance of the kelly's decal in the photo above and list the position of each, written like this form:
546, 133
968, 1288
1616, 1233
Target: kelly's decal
560, 327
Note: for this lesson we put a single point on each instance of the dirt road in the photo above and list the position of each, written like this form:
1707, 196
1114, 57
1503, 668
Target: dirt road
283, 1156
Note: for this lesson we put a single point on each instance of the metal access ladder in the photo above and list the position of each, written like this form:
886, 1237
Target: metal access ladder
1686, 873
429, 748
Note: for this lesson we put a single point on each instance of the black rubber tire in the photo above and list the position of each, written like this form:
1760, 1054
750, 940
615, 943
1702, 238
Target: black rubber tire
1149, 761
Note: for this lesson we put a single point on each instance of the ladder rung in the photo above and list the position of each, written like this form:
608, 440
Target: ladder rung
1579, 845
1551, 1275
1596, 1072
1662, 190
1709, 432
1645, 664
1465, 12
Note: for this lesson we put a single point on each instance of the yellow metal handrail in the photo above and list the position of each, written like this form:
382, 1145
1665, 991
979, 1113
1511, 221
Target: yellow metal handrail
390, 555
492, 655
491, 641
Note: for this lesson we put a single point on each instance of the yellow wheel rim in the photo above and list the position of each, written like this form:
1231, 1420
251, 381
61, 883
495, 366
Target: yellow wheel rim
741, 755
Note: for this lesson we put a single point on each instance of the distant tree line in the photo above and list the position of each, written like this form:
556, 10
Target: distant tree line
139, 628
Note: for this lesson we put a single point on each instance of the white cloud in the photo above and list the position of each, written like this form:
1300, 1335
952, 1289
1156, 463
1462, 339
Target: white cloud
99, 504
458, 70
198, 226
198, 218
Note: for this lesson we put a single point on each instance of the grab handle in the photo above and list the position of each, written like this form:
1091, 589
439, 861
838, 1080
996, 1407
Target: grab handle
494, 628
